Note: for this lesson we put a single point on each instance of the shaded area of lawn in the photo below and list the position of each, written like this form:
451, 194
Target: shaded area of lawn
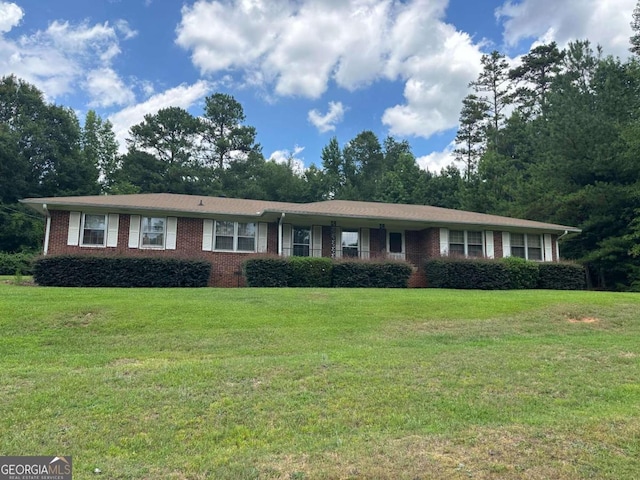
292, 384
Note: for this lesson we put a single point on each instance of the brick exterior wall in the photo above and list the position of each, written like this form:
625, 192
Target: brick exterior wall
227, 267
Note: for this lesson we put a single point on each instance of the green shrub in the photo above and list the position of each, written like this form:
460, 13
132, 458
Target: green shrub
266, 272
324, 272
461, 273
88, 271
365, 274
309, 272
522, 273
16, 263
561, 276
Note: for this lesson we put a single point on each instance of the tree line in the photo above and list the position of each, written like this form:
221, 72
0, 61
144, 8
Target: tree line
555, 139
44, 151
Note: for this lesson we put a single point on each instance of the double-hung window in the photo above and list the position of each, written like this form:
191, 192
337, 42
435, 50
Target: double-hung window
463, 243
456, 243
152, 232
474, 244
234, 236
527, 246
350, 243
301, 241
94, 230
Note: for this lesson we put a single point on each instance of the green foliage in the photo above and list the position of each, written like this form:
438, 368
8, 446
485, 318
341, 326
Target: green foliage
460, 273
223, 131
561, 276
88, 271
522, 273
12, 263
100, 148
21, 229
40, 148
324, 272
635, 27
470, 139
266, 272
310, 272
503, 274
371, 274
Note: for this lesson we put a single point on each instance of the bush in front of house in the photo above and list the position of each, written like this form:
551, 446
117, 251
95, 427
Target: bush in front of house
462, 273
505, 273
523, 274
324, 272
309, 272
266, 272
89, 271
16, 263
561, 276
371, 274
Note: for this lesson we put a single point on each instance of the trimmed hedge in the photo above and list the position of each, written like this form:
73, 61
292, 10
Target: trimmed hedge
363, 274
522, 274
266, 272
324, 272
16, 263
88, 271
466, 274
562, 276
502, 274
310, 272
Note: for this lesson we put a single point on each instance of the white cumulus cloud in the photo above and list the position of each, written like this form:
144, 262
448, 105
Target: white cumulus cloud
106, 88
184, 96
603, 22
10, 16
286, 156
435, 162
297, 48
327, 122
65, 57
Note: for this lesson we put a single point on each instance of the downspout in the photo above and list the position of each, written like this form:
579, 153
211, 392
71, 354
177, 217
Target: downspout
280, 222
566, 232
47, 228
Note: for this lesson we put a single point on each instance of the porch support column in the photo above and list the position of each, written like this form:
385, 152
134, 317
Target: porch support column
333, 239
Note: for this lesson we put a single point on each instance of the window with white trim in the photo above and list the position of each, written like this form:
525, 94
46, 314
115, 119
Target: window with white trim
94, 230
527, 246
475, 246
301, 241
349, 243
463, 243
152, 232
395, 242
234, 236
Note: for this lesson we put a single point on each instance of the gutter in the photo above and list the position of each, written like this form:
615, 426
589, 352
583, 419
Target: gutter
566, 232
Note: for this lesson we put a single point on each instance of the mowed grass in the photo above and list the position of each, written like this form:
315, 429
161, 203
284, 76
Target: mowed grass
322, 384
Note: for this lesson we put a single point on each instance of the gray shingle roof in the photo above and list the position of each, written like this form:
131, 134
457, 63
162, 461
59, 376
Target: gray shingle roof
202, 205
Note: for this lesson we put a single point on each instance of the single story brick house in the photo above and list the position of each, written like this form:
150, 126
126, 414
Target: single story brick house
225, 231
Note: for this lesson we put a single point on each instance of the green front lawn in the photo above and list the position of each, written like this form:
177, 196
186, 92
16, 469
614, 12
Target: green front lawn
335, 383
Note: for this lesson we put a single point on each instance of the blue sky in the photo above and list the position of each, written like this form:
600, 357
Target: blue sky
304, 70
